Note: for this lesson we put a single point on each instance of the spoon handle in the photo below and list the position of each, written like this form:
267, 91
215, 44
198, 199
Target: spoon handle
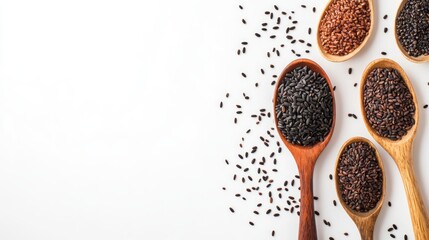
366, 229
307, 223
415, 202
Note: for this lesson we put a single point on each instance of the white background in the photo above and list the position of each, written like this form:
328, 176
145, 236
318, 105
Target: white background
110, 126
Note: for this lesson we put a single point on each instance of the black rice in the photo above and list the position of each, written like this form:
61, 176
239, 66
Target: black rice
304, 107
412, 27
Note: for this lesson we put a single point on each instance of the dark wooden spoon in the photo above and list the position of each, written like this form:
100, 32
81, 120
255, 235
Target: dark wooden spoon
306, 156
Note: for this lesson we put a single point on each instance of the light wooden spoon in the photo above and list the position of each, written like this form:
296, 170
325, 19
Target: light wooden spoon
402, 153
336, 58
419, 59
306, 156
365, 222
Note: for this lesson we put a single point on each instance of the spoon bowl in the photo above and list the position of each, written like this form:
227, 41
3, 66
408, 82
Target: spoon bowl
419, 59
401, 151
306, 156
336, 58
365, 222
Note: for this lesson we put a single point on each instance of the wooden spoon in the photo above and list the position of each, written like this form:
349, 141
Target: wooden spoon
306, 156
419, 59
402, 152
336, 58
365, 222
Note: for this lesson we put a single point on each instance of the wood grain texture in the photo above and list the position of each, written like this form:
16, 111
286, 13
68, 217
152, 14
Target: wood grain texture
419, 59
306, 156
401, 152
335, 58
365, 222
